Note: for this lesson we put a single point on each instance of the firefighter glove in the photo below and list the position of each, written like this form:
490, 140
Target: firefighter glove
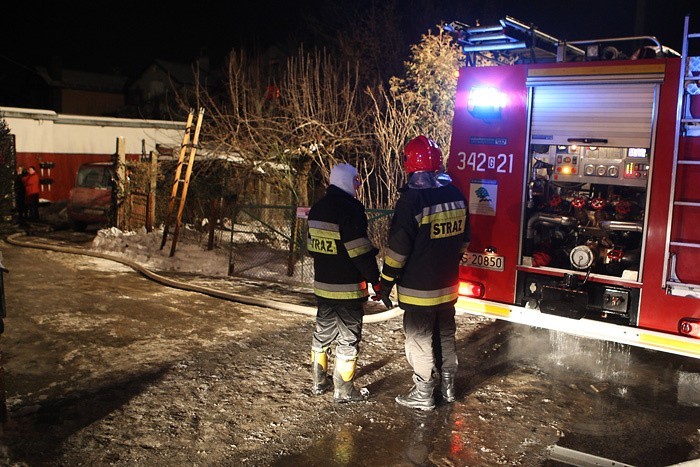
377, 287
385, 287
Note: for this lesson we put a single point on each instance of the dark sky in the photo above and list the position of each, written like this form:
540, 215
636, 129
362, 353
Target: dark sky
125, 33
121, 36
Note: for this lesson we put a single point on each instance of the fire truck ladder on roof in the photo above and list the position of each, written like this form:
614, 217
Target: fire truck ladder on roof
673, 284
509, 36
179, 192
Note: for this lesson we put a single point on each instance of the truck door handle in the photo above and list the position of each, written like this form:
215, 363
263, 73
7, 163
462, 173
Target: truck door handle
588, 140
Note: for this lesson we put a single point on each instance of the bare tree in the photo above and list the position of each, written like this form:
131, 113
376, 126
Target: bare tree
321, 118
294, 124
290, 124
392, 124
229, 163
430, 85
420, 103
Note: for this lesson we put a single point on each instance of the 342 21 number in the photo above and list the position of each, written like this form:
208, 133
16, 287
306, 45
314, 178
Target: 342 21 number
480, 162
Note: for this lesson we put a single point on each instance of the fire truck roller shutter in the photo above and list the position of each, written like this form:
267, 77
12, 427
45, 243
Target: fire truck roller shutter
614, 115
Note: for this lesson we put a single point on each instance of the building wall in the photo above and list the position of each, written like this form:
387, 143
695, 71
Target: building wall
90, 102
44, 137
57, 181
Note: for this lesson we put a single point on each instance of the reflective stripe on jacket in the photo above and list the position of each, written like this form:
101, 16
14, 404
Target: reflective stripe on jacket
344, 258
428, 233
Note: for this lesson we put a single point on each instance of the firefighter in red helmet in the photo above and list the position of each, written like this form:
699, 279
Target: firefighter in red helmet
428, 235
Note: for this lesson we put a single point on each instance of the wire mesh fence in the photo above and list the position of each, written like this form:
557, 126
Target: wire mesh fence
262, 241
269, 242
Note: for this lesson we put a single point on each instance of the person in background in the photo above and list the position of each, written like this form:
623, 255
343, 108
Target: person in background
31, 193
19, 194
344, 264
428, 236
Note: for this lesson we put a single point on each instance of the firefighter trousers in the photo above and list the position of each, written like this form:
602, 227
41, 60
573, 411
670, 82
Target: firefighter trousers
340, 322
429, 333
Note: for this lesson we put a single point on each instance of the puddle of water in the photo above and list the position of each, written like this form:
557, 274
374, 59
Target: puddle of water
638, 412
411, 443
634, 406
689, 389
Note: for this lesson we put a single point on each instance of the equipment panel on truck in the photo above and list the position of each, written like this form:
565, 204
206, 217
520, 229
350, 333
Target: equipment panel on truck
578, 164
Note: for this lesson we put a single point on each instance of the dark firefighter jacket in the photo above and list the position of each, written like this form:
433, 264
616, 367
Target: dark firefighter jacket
344, 258
429, 232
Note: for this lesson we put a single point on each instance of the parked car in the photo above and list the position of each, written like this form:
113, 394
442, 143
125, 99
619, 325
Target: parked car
90, 200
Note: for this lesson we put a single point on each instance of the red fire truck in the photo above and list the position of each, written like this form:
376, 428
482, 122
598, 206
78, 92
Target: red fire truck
581, 167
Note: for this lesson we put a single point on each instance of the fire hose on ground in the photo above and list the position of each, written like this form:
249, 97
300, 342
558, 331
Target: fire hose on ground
233, 297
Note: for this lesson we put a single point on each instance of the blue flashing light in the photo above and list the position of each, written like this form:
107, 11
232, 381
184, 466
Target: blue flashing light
486, 101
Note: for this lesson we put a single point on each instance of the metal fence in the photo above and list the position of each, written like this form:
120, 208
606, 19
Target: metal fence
269, 242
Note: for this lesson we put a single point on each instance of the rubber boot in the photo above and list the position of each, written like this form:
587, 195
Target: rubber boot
343, 377
319, 370
447, 386
420, 396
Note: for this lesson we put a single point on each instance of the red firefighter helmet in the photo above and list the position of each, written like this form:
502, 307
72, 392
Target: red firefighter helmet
422, 155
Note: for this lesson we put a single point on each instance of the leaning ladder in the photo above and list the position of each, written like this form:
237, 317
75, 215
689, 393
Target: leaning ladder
180, 185
670, 281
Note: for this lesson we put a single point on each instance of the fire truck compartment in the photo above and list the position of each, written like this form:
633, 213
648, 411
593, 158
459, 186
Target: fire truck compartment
586, 208
575, 296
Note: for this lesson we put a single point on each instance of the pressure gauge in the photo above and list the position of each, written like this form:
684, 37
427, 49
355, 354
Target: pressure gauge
582, 257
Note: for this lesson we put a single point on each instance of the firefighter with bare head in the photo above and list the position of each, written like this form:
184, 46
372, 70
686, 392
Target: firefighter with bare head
429, 233
344, 266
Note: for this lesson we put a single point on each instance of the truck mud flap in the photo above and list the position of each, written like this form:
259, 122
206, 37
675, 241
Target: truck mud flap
564, 302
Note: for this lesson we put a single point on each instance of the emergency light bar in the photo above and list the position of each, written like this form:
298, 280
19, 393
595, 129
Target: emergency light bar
486, 102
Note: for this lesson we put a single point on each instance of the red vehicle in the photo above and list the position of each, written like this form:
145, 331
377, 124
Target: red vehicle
91, 199
581, 171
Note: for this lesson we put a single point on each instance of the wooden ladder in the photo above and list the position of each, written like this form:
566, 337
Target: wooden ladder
180, 185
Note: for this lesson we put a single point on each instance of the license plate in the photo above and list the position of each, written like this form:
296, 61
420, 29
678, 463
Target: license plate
483, 261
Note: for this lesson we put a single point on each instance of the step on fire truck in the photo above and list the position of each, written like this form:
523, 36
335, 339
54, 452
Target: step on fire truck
581, 167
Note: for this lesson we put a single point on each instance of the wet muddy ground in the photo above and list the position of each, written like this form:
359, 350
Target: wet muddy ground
105, 367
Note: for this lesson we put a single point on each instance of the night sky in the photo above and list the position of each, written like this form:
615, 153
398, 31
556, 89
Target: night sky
124, 36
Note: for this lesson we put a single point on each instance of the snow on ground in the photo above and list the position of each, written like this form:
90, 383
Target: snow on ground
143, 248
